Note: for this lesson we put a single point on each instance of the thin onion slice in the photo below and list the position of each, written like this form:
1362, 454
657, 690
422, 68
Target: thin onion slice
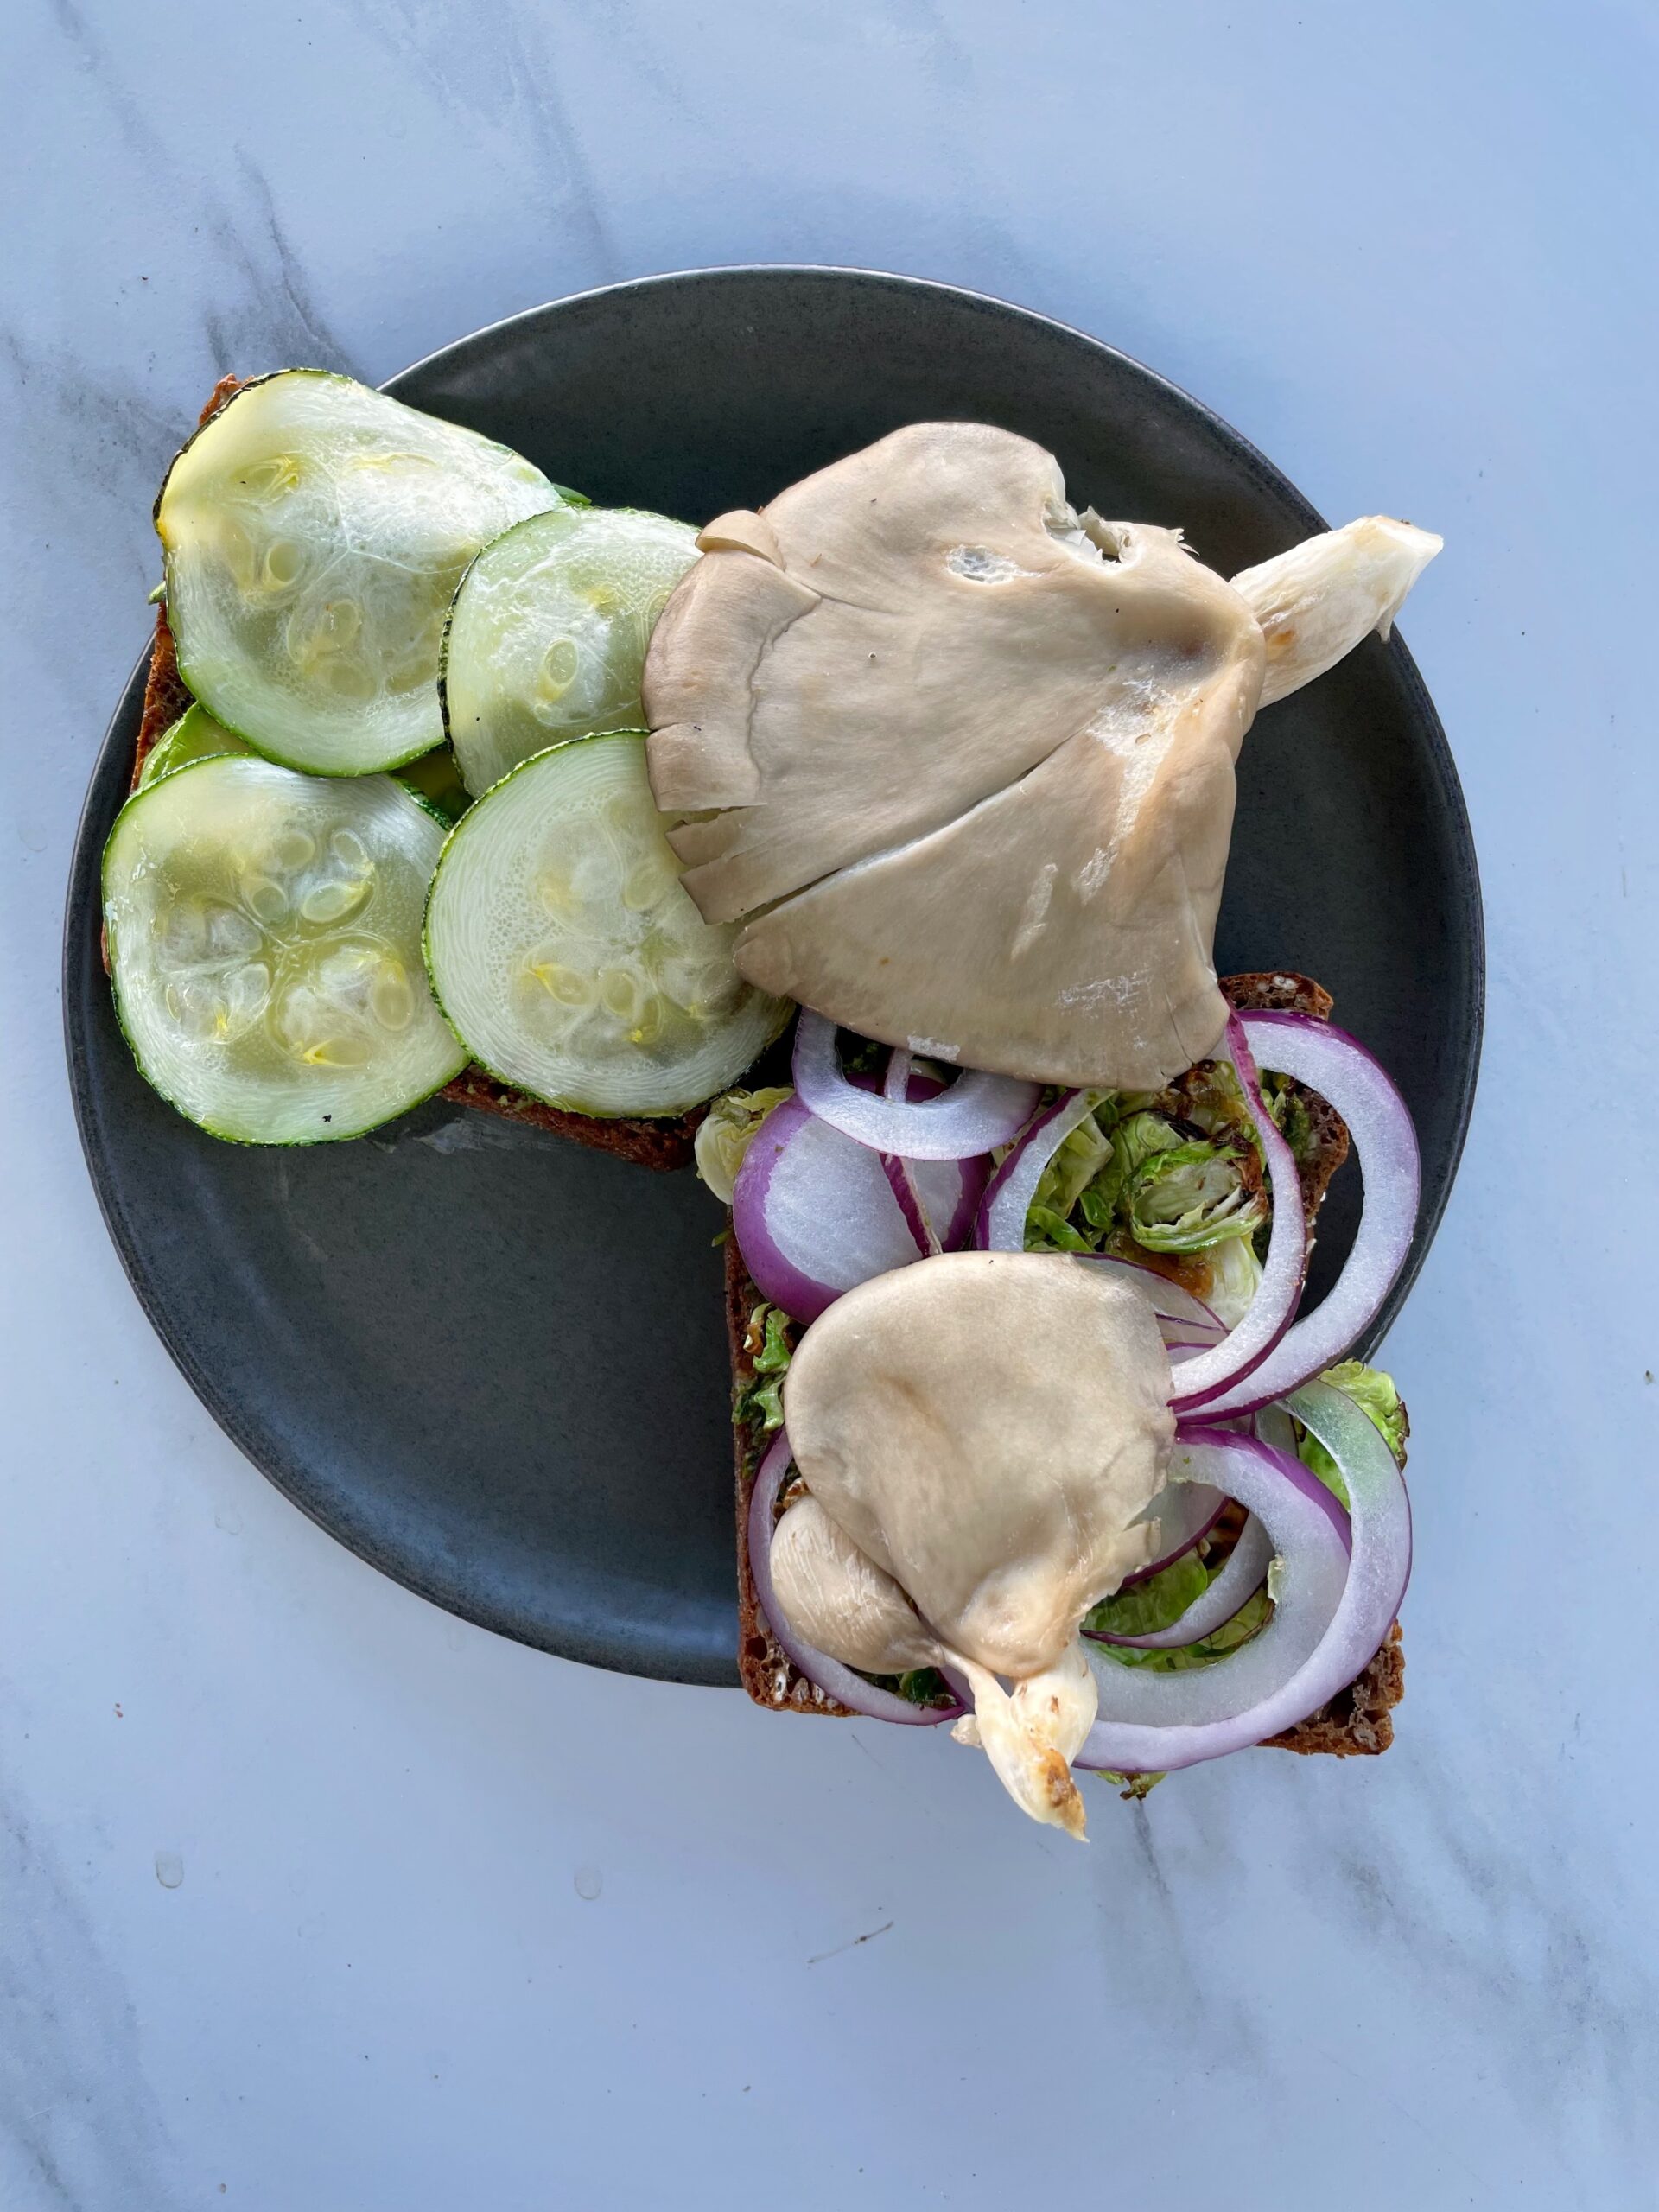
901, 1181
834, 1679
1185, 1513
896, 1083
1275, 1426
975, 1114
1333, 1607
814, 1215
1001, 1225
1332, 1063
1232, 1590
958, 1231
899, 1171
1200, 1324
1272, 1310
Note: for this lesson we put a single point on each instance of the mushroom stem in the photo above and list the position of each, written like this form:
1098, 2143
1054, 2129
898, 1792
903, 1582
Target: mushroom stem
1015, 1731
1317, 602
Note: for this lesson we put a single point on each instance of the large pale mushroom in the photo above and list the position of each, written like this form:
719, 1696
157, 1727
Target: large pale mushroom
965, 758
980, 1434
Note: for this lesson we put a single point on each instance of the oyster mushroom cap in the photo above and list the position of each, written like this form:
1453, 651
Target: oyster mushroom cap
934, 621
961, 759
979, 747
986, 1428
1061, 931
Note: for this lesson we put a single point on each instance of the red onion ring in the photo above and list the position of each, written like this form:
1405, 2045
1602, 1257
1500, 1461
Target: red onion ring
1272, 1310
1185, 1513
904, 1080
900, 1174
834, 1679
1155, 1722
958, 1231
814, 1216
1274, 1427
1232, 1590
978, 1111
1169, 1301
1001, 1225
896, 1083
901, 1181
1332, 1063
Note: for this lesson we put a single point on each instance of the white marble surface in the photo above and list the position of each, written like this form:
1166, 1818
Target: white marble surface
314, 1900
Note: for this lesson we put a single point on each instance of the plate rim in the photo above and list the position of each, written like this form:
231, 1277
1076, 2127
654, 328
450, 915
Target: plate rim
82, 925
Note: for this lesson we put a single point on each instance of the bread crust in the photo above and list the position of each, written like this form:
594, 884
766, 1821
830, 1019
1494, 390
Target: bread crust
1357, 1723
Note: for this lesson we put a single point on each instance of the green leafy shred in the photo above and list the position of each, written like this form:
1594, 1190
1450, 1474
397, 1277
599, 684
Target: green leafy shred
1155, 1603
860, 1057
1235, 1273
774, 1354
1049, 1231
926, 1685
1253, 1615
727, 1131
1080, 1158
1132, 1786
1158, 1601
435, 779
1289, 1108
760, 1406
1191, 1197
1137, 1175
1375, 1394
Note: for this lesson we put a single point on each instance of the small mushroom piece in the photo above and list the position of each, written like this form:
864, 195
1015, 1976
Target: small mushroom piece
987, 1428
1020, 1741
1034, 1731
742, 530
842, 1604
1317, 602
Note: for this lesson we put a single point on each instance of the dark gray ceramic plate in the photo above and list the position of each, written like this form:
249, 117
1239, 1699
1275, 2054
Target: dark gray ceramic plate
493, 1363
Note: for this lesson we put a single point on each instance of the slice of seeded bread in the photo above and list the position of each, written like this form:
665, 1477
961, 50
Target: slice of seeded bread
1356, 1722
647, 1143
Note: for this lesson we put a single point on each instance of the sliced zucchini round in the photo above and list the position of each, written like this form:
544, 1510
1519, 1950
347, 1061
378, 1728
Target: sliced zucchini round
549, 630
564, 951
195, 736
314, 533
264, 941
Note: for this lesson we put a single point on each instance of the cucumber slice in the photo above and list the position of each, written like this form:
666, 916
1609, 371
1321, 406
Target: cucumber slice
563, 949
314, 531
195, 736
548, 633
264, 940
